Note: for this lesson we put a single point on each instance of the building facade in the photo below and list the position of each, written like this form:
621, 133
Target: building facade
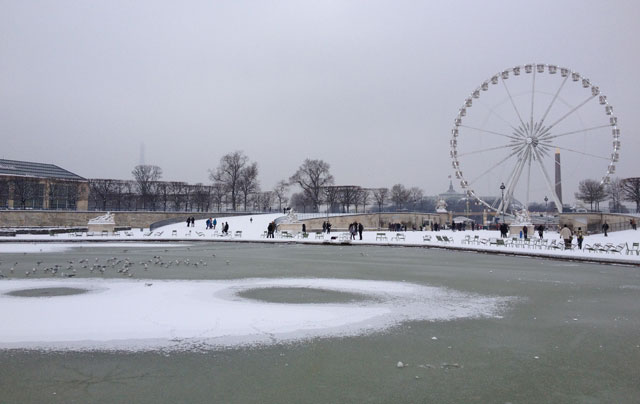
27, 185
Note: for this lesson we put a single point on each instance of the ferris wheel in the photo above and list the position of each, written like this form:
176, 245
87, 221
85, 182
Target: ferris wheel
522, 118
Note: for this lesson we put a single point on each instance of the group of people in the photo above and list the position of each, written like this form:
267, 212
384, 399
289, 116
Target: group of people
567, 235
211, 223
271, 228
326, 227
191, 221
356, 228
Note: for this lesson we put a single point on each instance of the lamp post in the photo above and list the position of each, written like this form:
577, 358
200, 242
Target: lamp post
502, 187
545, 204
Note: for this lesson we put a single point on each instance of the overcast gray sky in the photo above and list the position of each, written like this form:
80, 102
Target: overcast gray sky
371, 87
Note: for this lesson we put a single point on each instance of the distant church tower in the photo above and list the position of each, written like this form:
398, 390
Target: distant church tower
558, 177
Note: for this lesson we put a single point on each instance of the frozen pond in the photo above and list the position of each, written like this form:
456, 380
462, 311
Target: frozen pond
333, 323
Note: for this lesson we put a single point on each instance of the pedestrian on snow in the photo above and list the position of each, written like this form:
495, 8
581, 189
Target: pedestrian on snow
324, 227
540, 230
215, 221
453, 225
304, 228
580, 237
226, 228
605, 228
188, 221
328, 228
634, 226
566, 235
360, 229
525, 230
250, 220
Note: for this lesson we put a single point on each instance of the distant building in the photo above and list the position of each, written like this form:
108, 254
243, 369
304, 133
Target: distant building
451, 193
27, 185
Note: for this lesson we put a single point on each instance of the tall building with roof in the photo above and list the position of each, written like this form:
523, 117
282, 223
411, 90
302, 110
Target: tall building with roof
28, 185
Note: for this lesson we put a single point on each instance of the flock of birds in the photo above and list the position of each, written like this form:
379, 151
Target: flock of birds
124, 266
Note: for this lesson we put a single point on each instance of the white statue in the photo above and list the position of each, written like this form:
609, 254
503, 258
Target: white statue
291, 217
441, 206
522, 217
109, 218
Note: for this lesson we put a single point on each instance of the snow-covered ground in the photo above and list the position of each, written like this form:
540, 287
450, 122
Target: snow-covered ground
133, 315
253, 227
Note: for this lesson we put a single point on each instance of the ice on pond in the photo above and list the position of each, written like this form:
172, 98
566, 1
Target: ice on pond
130, 315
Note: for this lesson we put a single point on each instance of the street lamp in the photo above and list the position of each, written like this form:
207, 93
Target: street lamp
502, 187
545, 204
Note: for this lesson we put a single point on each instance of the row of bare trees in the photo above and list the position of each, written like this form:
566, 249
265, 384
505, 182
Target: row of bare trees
617, 190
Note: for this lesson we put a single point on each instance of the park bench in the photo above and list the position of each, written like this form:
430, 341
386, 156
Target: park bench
426, 238
398, 237
238, 234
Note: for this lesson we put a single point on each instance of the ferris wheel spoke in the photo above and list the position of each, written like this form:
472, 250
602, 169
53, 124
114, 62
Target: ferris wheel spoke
486, 150
513, 103
553, 101
528, 182
583, 153
512, 186
549, 136
550, 187
490, 132
493, 112
574, 109
494, 166
511, 182
533, 96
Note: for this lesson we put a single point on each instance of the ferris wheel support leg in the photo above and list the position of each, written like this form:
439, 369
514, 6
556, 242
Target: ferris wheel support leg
551, 189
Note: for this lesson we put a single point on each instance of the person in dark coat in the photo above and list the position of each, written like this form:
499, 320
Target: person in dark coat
188, 221
525, 230
328, 228
605, 228
304, 228
360, 229
540, 230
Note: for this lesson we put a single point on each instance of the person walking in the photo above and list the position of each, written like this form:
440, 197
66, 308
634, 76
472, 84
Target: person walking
634, 226
605, 228
215, 221
328, 228
580, 237
566, 235
540, 230
360, 229
188, 221
525, 230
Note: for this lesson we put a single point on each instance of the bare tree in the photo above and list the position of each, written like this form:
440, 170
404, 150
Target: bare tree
380, 195
363, 198
101, 191
228, 173
280, 192
264, 200
347, 196
163, 190
591, 191
631, 189
145, 177
300, 201
616, 194
248, 183
202, 197
176, 190
312, 177
415, 196
218, 194
4, 193
24, 190
399, 195
331, 195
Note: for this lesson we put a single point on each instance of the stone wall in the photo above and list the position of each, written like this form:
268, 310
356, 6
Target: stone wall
53, 218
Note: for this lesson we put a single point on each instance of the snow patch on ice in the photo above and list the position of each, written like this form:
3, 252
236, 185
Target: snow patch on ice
184, 315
